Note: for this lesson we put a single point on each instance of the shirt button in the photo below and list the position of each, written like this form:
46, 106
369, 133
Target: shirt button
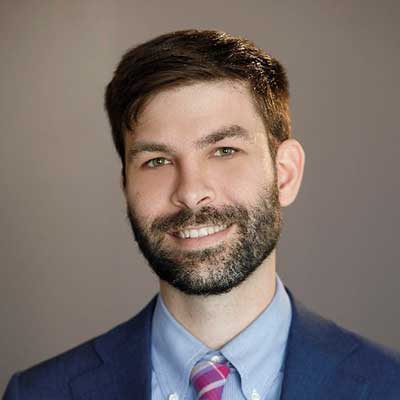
215, 359
255, 395
173, 396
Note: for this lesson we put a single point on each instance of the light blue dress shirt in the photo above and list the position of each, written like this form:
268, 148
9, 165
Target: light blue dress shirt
255, 356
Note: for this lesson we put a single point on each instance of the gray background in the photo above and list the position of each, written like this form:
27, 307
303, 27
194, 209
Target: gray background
69, 268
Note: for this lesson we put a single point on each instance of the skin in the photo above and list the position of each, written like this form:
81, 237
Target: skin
196, 176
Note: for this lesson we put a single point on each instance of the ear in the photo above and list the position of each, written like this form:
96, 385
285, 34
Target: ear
290, 159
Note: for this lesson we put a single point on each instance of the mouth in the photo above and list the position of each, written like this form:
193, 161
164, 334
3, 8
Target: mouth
201, 236
199, 232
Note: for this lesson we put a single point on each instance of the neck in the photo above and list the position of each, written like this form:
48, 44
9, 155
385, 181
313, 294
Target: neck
217, 319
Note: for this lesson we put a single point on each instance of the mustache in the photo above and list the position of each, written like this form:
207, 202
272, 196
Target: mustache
225, 215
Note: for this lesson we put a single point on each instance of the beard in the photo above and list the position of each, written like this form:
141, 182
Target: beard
217, 269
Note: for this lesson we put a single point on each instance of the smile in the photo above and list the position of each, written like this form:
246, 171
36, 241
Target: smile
200, 232
201, 237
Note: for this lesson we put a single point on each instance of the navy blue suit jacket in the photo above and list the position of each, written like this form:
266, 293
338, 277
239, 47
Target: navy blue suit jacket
323, 362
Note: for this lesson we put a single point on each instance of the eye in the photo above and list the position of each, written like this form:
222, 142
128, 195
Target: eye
225, 152
157, 162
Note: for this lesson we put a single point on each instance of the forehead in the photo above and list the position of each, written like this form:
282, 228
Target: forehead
187, 113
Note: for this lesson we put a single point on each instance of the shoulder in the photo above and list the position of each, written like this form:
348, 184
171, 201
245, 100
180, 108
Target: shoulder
378, 364
51, 379
352, 354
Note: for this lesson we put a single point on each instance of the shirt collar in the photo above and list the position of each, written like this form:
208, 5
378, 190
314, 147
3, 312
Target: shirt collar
258, 369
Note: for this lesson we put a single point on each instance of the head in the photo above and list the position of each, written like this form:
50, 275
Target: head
200, 120
185, 57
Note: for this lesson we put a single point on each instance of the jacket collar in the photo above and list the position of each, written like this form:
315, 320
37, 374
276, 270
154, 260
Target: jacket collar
315, 350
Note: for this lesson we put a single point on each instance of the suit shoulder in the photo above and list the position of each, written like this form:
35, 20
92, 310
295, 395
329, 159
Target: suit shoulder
50, 378
365, 359
378, 363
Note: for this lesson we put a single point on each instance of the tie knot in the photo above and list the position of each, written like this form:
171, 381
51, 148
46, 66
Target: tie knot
208, 378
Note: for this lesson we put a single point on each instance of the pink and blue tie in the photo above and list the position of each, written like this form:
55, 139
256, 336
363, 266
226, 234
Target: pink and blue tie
208, 378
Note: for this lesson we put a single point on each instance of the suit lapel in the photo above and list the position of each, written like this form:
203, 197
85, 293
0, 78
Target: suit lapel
314, 367
125, 371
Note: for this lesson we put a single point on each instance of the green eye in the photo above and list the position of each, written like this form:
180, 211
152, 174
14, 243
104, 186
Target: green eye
157, 162
225, 152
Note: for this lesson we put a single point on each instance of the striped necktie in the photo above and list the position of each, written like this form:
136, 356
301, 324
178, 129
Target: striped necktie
208, 378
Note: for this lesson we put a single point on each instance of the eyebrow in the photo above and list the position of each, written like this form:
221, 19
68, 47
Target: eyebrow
233, 131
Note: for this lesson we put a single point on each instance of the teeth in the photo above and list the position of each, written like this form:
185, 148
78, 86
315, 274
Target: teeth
196, 233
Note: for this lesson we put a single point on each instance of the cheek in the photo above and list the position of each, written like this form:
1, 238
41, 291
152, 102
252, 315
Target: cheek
243, 183
148, 196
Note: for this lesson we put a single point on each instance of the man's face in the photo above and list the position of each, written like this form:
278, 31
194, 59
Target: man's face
201, 191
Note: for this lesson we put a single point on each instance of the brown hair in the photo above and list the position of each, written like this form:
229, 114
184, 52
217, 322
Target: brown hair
189, 56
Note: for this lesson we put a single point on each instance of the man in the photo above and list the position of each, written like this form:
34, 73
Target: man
201, 122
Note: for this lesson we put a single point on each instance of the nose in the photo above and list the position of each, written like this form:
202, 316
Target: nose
193, 189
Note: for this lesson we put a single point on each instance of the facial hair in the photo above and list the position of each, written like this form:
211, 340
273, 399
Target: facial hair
218, 269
